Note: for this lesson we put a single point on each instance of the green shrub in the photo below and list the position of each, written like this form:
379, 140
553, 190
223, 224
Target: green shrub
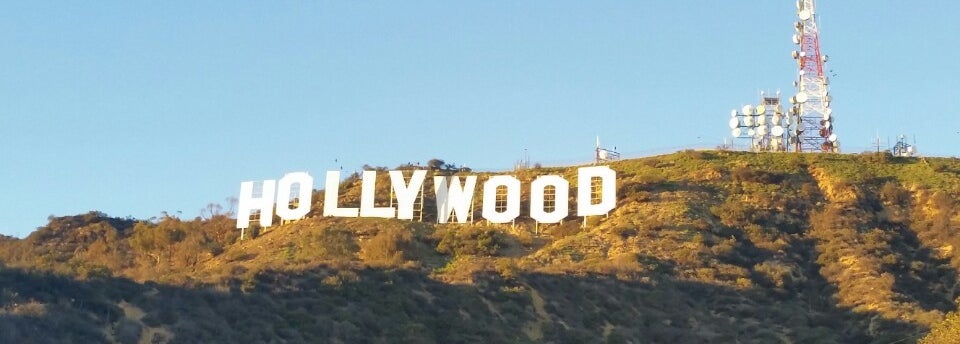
331, 243
944, 332
478, 242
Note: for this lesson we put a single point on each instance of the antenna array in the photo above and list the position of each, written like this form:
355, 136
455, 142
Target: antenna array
764, 124
902, 148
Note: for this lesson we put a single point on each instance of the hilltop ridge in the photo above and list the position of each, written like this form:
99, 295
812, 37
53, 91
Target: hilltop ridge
703, 246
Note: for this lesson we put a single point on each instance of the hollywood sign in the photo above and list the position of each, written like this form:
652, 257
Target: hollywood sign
454, 197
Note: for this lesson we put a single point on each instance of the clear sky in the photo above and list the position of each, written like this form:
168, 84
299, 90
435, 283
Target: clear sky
133, 108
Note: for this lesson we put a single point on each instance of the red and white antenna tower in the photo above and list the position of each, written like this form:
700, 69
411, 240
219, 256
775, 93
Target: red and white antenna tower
814, 130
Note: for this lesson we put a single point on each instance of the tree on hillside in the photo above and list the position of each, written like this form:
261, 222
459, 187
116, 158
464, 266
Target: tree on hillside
106, 250
211, 210
436, 164
440, 165
156, 241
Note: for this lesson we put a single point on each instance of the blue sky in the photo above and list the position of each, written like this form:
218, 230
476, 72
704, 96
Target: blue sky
133, 108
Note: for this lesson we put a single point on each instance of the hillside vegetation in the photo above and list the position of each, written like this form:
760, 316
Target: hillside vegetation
703, 247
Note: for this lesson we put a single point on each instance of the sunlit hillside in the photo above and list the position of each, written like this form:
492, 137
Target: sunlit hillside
703, 247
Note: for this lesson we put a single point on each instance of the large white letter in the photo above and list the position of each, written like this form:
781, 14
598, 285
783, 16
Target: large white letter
608, 200
454, 198
406, 194
331, 197
304, 196
248, 203
490, 199
561, 201
368, 191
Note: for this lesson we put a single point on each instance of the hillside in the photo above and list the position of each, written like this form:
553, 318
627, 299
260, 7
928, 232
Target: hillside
703, 247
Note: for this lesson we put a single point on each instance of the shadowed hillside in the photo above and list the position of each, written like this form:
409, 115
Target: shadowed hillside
703, 247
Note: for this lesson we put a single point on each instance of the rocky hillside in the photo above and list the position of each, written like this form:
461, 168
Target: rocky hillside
703, 247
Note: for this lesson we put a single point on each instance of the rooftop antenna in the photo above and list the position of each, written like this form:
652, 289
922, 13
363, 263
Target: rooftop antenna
811, 104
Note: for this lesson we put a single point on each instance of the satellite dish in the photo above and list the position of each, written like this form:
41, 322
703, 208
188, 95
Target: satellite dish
802, 72
803, 54
734, 122
751, 132
777, 119
824, 58
603, 154
733, 113
761, 109
796, 39
827, 124
909, 149
804, 14
748, 110
761, 131
832, 138
801, 97
761, 120
748, 121
793, 100
776, 131
736, 132
798, 26
826, 116
798, 4
795, 54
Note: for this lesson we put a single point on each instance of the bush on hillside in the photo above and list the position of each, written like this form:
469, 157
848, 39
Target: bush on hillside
387, 246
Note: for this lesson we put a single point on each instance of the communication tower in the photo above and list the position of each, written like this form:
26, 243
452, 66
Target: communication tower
764, 124
814, 130
902, 148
